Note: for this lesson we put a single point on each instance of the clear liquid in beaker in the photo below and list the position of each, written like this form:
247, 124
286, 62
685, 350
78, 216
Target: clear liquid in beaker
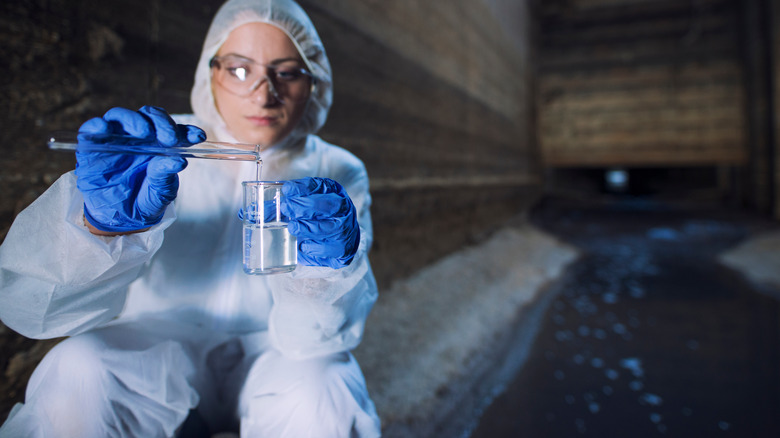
269, 248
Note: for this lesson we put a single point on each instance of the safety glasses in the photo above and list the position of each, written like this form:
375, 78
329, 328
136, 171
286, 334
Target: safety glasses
242, 76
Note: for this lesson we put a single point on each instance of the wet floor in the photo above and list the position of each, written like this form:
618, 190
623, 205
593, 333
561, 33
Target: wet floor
647, 335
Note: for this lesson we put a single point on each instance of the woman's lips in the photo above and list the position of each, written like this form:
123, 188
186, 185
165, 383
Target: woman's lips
262, 120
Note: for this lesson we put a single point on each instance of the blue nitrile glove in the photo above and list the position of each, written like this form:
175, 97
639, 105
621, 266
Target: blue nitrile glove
323, 219
124, 192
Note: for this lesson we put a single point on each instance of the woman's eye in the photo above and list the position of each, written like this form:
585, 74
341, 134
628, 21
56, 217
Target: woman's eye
288, 75
240, 73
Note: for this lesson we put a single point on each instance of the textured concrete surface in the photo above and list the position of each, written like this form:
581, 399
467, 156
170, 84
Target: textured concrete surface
437, 345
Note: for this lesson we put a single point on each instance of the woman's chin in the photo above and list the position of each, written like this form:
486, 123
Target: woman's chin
265, 136
264, 140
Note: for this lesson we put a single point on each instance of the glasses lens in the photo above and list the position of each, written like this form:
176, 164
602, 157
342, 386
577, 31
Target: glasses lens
241, 76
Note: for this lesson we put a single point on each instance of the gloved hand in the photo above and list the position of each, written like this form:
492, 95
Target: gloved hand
323, 219
123, 192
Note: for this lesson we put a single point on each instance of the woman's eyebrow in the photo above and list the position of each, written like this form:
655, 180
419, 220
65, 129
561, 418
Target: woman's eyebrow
283, 60
274, 62
236, 55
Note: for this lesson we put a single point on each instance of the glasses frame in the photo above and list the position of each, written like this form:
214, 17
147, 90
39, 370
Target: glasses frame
273, 84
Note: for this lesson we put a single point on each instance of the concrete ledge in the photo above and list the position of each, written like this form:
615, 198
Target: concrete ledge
757, 258
441, 344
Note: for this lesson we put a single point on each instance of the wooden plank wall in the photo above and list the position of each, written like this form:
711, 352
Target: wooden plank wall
434, 96
640, 83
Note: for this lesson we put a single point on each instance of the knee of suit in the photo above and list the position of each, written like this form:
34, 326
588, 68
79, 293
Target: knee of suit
75, 362
307, 398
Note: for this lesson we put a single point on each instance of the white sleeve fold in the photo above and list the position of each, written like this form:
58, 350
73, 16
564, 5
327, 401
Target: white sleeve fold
58, 279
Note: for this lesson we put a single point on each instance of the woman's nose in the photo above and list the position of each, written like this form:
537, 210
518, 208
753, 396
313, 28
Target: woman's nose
267, 95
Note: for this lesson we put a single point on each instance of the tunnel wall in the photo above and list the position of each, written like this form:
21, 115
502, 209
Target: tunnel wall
641, 82
683, 88
434, 96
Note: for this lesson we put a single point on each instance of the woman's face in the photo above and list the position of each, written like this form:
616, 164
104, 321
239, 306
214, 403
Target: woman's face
255, 86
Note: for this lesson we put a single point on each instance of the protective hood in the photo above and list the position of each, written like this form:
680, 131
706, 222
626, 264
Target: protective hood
292, 20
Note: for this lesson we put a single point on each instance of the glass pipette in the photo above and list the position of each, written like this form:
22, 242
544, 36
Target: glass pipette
126, 144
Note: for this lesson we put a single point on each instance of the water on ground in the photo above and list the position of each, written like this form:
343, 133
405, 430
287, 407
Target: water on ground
648, 335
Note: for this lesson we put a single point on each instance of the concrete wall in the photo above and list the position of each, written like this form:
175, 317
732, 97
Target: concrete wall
434, 96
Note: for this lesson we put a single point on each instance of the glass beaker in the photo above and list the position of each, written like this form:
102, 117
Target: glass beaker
269, 248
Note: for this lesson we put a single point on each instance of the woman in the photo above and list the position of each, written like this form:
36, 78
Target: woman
162, 322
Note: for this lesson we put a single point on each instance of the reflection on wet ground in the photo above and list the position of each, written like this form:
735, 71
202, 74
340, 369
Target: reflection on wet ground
648, 335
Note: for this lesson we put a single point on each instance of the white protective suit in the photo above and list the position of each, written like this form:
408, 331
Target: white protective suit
165, 321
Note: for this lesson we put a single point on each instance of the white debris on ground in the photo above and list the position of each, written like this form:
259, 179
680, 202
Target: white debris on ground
431, 338
757, 258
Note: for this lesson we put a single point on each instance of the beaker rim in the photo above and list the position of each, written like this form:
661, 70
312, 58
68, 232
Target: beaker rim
268, 183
